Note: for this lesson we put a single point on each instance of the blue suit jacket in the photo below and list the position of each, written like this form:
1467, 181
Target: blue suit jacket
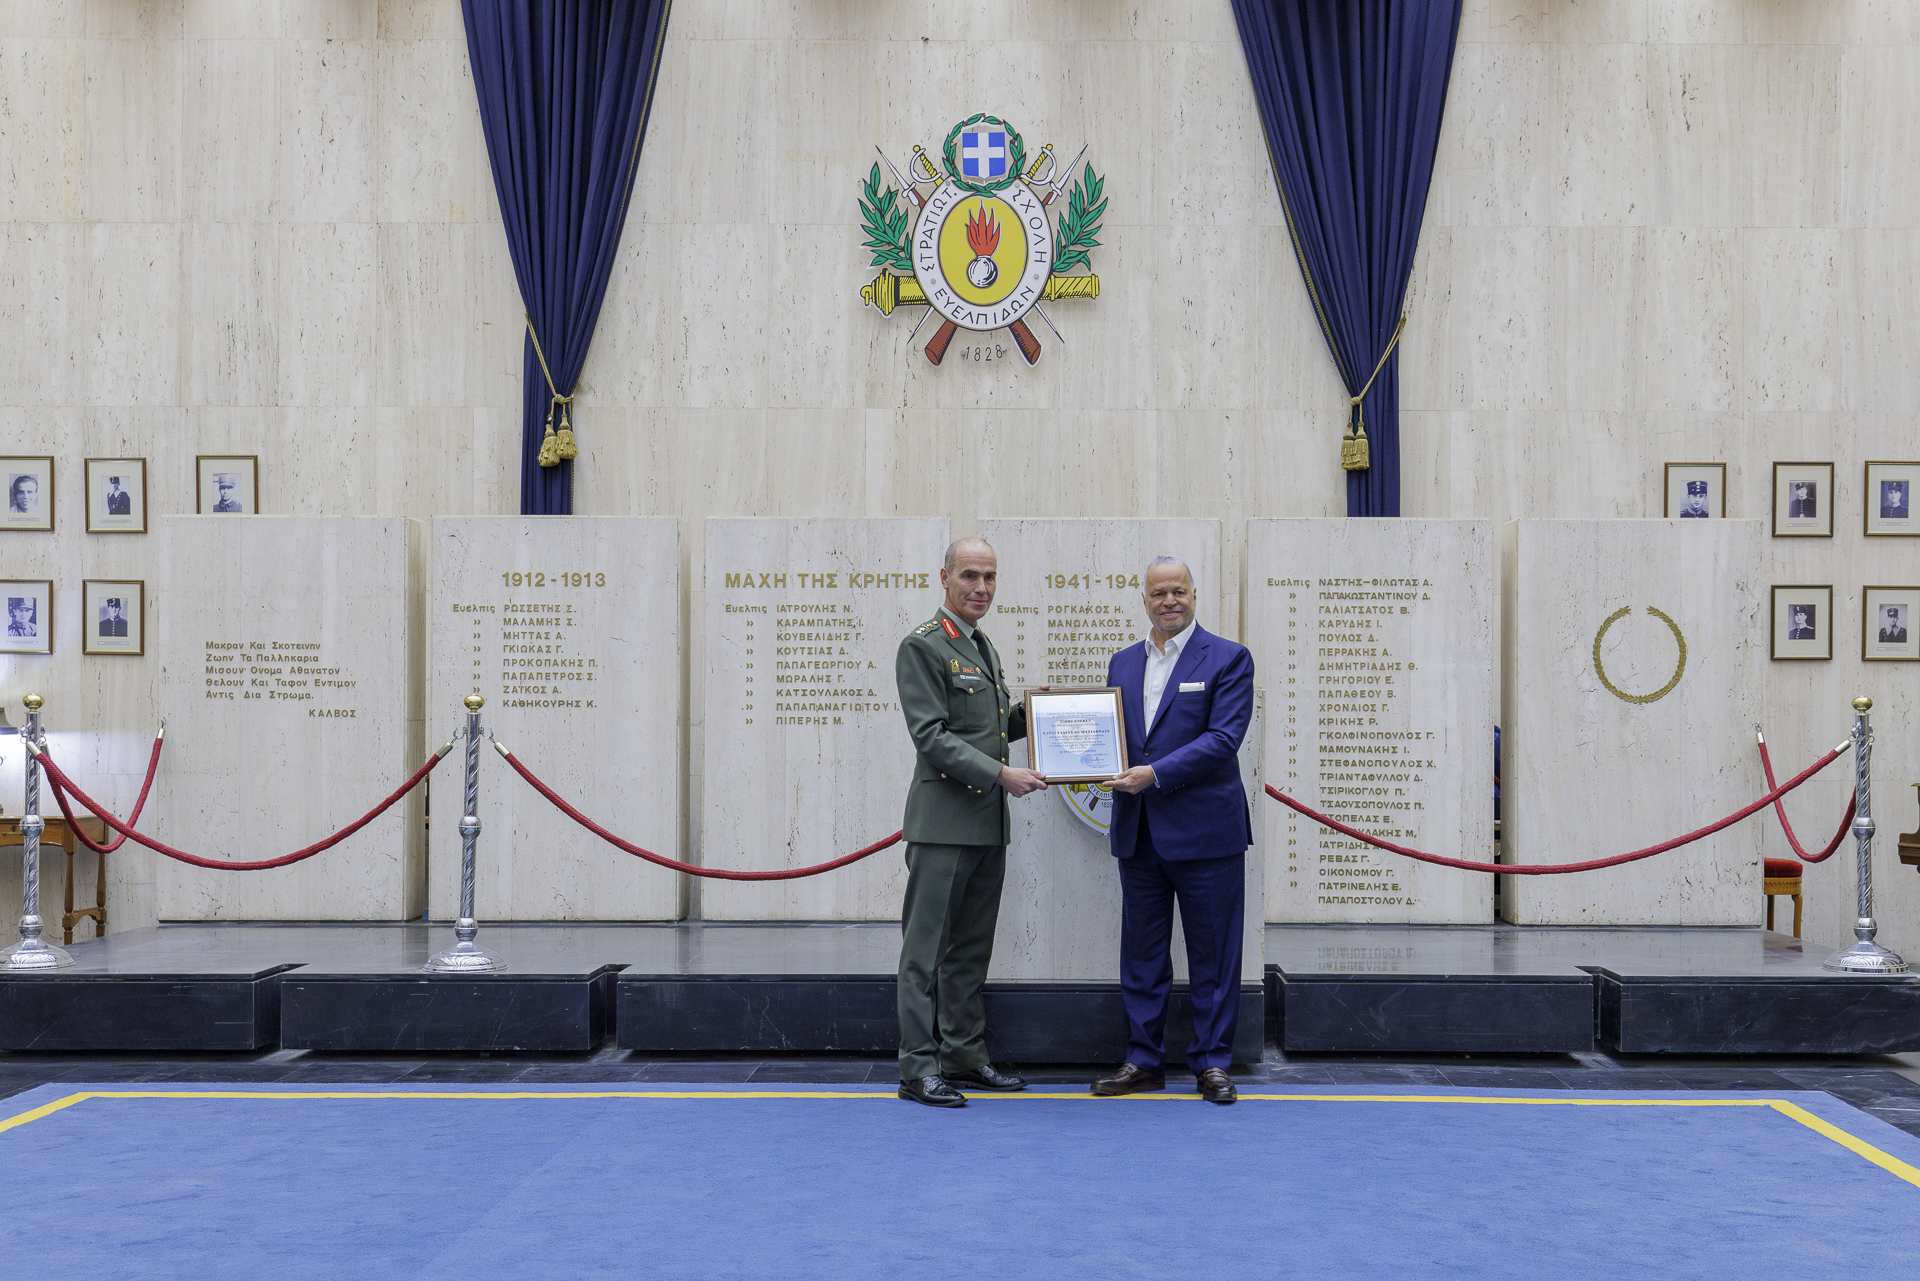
1198, 809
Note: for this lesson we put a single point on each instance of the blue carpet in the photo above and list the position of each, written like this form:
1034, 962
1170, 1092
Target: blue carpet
457, 1182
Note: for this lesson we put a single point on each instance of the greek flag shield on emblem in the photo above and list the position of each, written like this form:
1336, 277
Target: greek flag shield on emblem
983, 154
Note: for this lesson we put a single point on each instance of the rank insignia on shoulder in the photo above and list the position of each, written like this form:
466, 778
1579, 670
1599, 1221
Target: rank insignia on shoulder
953, 633
924, 628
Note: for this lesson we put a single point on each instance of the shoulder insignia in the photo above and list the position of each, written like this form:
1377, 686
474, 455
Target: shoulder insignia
946, 625
925, 628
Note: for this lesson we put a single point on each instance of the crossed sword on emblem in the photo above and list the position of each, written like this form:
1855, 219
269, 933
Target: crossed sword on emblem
888, 290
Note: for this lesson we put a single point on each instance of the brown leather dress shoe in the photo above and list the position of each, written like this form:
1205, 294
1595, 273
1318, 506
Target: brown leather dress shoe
1216, 1086
1129, 1078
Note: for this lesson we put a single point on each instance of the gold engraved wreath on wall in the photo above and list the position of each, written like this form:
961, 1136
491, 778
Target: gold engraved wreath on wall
1600, 669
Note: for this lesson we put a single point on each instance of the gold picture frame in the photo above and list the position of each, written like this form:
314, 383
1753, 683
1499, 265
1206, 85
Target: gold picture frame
26, 503
1803, 500
1076, 735
227, 484
106, 630
1889, 624
1802, 622
26, 608
1696, 490
116, 483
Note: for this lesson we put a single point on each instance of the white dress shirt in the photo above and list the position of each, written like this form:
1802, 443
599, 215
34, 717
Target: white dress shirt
1160, 665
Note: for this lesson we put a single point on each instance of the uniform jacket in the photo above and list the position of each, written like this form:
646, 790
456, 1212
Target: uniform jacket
1198, 808
961, 719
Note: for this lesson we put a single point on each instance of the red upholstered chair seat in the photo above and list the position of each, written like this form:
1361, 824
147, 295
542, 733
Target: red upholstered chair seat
1777, 867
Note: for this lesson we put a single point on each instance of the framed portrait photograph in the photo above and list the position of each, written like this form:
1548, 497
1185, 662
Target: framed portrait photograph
1887, 631
1803, 622
116, 495
1076, 735
113, 613
1696, 490
1891, 491
29, 493
1803, 500
29, 612
229, 485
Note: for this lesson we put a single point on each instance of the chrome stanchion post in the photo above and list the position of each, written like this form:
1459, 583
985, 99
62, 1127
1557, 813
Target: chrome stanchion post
32, 952
466, 956
1864, 956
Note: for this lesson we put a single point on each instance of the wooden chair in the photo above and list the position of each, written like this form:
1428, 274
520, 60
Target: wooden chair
57, 833
1783, 877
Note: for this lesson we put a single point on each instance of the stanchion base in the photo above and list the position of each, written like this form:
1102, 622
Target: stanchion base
1865, 957
465, 958
37, 956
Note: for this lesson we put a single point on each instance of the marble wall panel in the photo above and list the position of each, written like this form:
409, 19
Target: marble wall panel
254, 767
1376, 641
1588, 773
1880, 156
447, 178
133, 292
792, 779
327, 156
1059, 918
230, 276
42, 129
428, 347
134, 135
227, 160
1795, 295
326, 313
559, 624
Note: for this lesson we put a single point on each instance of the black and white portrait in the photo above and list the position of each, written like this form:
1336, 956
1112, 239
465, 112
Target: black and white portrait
1696, 503
113, 617
23, 493
1893, 624
226, 485
23, 616
119, 501
1803, 500
1893, 500
1800, 622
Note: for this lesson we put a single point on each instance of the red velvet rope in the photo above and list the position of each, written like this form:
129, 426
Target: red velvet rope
1779, 808
1556, 869
133, 816
714, 873
58, 781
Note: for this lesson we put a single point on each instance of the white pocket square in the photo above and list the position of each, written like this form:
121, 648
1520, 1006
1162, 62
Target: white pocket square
1193, 687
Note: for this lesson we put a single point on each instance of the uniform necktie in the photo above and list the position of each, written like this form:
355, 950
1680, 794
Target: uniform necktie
980, 643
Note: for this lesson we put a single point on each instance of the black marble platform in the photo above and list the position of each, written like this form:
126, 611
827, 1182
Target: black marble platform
1751, 992
368, 993
829, 988
1451, 989
1537, 989
148, 990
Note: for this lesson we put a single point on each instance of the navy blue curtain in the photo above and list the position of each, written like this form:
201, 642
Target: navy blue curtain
1351, 93
564, 91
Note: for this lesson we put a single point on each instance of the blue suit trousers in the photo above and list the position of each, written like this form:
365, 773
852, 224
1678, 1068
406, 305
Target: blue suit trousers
1213, 899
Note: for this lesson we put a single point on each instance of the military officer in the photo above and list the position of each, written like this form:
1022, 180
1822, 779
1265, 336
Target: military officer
954, 696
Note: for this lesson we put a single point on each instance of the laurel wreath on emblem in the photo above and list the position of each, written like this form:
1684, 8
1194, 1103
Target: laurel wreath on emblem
1600, 669
1016, 155
888, 224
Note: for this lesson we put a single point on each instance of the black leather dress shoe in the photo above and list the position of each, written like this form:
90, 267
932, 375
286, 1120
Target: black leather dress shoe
987, 1077
932, 1091
1216, 1086
1129, 1078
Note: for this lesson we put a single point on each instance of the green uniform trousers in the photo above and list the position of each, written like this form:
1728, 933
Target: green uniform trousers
953, 904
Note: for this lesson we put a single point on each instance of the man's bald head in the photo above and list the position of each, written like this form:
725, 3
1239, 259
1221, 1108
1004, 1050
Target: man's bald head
959, 545
970, 576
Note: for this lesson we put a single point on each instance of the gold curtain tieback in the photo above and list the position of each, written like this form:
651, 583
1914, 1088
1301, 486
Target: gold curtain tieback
555, 446
1355, 453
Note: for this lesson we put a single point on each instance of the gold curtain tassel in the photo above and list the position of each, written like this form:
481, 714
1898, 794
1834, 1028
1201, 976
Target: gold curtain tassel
549, 451
1355, 453
563, 445
555, 447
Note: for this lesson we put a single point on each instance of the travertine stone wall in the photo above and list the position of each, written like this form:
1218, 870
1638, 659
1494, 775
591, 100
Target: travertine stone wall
1377, 640
1596, 759
570, 628
290, 678
1658, 232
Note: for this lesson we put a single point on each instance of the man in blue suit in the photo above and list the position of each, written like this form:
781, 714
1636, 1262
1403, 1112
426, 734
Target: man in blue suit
1180, 832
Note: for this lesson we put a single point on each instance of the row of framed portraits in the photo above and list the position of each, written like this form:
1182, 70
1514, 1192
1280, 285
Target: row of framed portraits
228, 484
1804, 624
1803, 497
114, 610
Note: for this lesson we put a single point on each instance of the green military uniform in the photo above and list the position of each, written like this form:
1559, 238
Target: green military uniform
961, 718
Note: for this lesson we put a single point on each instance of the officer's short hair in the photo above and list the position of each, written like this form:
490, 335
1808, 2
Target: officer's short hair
1158, 561
953, 550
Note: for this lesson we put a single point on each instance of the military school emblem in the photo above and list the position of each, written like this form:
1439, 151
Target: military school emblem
979, 248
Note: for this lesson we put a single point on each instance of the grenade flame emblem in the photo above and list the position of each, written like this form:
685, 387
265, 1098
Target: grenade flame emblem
983, 237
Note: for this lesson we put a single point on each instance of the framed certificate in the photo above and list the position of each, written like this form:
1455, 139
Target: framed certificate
1076, 735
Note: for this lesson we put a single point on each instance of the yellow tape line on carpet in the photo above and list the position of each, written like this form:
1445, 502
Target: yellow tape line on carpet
1892, 1164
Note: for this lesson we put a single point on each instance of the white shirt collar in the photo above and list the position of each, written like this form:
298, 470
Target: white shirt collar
1174, 646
